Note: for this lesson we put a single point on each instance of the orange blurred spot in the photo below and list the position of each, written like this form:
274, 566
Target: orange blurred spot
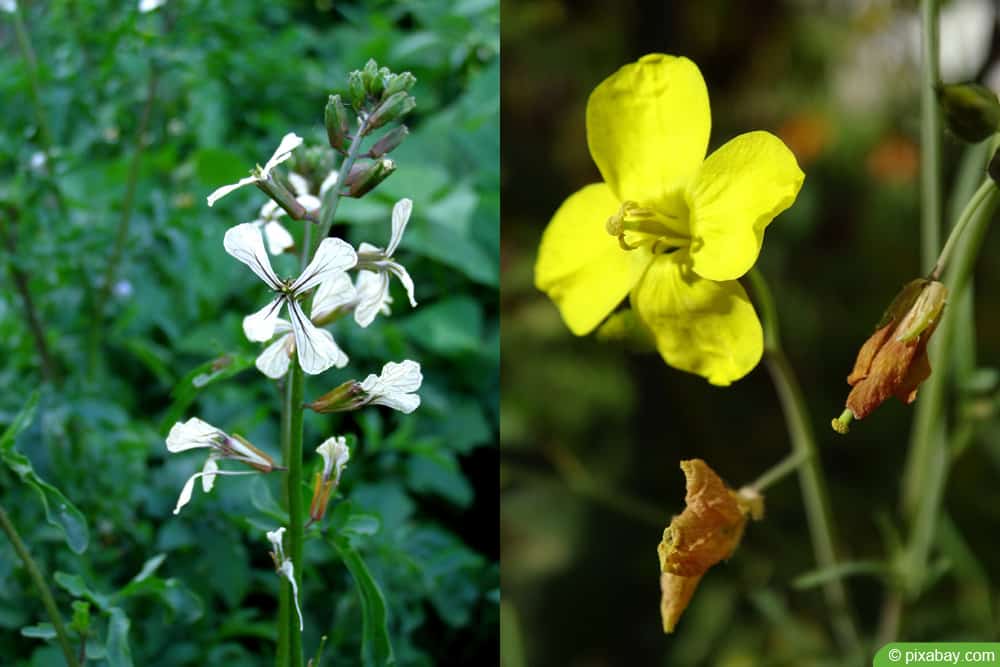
895, 160
807, 134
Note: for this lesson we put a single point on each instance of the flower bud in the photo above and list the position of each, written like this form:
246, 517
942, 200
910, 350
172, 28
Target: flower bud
356, 86
971, 111
335, 117
389, 141
347, 396
365, 177
398, 83
370, 76
394, 107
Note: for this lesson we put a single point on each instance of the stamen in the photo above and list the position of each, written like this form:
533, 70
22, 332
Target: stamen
649, 225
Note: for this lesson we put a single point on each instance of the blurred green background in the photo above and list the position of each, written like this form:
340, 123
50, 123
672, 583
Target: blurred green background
591, 435
228, 79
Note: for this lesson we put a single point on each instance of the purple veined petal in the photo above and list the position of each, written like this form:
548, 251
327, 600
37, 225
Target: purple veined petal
314, 347
373, 291
400, 216
399, 271
333, 256
396, 386
226, 189
244, 242
331, 294
259, 327
192, 434
289, 143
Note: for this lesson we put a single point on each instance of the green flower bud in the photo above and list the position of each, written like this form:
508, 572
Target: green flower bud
394, 107
365, 177
357, 89
348, 396
398, 83
335, 117
971, 111
389, 141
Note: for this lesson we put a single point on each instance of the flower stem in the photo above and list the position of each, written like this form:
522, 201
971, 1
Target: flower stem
332, 200
779, 471
293, 404
930, 136
811, 477
980, 196
43, 588
31, 62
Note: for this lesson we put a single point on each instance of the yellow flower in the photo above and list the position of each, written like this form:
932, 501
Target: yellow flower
668, 227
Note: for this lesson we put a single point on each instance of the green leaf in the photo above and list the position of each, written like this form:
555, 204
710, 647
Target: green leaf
40, 631
450, 327
376, 648
839, 571
117, 646
187, 389
59, 511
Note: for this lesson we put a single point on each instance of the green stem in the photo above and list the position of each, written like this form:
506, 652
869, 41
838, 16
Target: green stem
927, 466
31, 62
333, 195
977, 200
779, 471
930, 136
293, 403
43, 588
814, 493
285, 591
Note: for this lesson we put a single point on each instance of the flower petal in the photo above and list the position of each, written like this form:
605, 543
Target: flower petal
738, 190
373, 290
309, 202
400, 216
244, 243
333, 256
289, 143
315, 347
328, 182
274, 360
332, 294
299, 183
226, 189
398, 270
278, 238
395, 387
704, 327
260, 326
648, 126
192, 434
208, 472
186, 492
580, 266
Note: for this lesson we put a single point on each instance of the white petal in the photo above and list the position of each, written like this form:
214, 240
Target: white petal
289, 143
274, 537
373, 290
299, 184
278, 238
332, 294
244, 243
335, 455
405, 403
282, 326
192, 434
395, 386
333, 256
288, 570
328, 182
186, 492
270, 211
10, 6
400, 216
260, 326
315, 348
309, 202
208, 474
274, 360
399, 271
144, 5
226, 189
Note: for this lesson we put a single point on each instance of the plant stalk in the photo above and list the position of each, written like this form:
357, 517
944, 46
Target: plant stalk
930, 136
43, 588
333, 195
293, 403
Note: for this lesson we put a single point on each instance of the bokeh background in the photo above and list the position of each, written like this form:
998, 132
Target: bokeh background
592, 434
207, 89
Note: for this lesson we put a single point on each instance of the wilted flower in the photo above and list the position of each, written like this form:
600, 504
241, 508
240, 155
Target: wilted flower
893, 361
706, 532
315, 347
394, 388
376, 264
289, 142
284, 566
669, 228
335, 457
194, 434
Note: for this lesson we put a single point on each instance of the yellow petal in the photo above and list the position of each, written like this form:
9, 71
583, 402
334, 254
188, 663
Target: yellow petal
739, 189
580, 266
647, 128
704, 327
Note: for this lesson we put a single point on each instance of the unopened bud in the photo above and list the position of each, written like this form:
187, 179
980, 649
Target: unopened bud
348, 396
335, 117
320, 497
369, 75
398, 83
389, 141
364, 178
356, 86
394, 107
971, 111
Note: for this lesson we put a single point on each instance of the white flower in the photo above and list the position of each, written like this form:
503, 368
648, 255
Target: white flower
278, 238
315, 347
284, 566
335, 457
376, 264
9, 6
289, 142
194, 434
396, 387
146, 6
